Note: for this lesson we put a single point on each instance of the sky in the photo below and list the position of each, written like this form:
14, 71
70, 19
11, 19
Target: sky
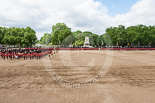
85, 15
117, 6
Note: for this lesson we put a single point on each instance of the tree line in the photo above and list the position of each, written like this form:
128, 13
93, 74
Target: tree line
133, 36
23, 37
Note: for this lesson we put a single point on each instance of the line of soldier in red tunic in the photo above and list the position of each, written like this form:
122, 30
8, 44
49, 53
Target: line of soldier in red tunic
25, 53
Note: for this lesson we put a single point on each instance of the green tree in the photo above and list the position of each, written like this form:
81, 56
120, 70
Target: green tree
46, 39
60, 32
29, 37
1, 35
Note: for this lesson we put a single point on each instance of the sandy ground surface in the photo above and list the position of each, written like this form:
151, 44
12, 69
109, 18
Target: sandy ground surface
130, 78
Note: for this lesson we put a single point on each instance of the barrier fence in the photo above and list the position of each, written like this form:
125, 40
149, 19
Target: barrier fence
91, 48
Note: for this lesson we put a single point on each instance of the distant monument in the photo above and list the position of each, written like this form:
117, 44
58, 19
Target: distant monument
86, 43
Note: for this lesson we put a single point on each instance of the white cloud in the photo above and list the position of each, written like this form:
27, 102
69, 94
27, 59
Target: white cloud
77, 14
143, 12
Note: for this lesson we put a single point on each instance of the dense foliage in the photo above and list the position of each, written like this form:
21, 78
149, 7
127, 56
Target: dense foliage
139, 35
17, 36
46, 39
